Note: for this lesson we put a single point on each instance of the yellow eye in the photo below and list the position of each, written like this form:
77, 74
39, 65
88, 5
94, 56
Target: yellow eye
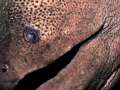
31, 35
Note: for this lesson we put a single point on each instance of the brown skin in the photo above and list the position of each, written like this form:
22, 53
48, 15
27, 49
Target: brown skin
62, 24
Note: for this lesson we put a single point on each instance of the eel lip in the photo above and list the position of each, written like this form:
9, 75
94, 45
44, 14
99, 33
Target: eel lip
8, 85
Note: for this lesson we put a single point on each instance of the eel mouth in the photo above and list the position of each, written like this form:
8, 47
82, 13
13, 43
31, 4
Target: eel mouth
36, 78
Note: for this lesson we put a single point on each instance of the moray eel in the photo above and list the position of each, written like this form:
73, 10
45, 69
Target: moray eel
34, 33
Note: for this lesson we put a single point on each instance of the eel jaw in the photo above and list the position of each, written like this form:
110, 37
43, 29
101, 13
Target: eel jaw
50, 71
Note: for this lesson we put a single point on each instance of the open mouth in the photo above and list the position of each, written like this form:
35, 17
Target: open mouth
36, 78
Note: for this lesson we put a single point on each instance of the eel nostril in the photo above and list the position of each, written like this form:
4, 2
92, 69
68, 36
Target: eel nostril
5, 68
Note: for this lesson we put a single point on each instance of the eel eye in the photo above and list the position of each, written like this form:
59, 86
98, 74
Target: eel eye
5, 68
31, 35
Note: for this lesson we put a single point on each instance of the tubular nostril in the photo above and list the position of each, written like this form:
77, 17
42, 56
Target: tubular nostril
5, 68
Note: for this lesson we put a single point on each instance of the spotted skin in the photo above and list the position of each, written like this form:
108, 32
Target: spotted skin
61, 23
43, 15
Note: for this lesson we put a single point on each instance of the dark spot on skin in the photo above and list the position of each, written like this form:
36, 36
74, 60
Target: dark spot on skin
47, 46
25, 60
31, 35
41, 52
